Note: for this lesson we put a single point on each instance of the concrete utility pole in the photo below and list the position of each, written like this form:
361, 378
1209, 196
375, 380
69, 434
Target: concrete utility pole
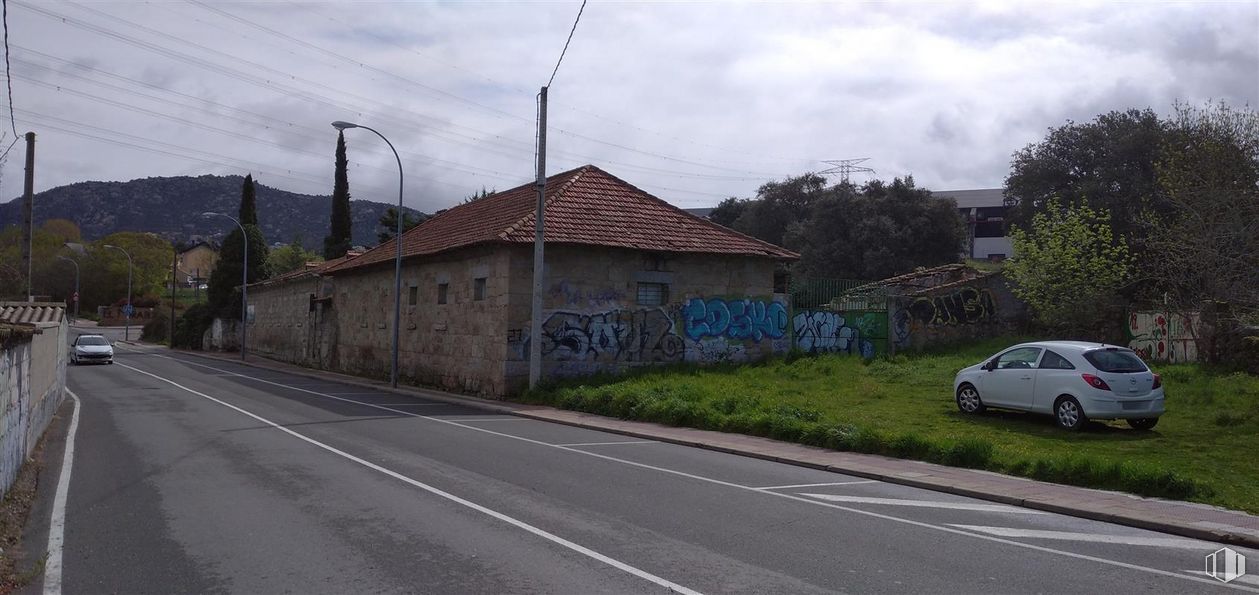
535, 325
28, 211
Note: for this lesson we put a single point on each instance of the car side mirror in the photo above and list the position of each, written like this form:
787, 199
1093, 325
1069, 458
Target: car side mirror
991, 365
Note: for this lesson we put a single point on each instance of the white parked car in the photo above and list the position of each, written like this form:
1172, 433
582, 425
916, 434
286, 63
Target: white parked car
91, 348
1071, 380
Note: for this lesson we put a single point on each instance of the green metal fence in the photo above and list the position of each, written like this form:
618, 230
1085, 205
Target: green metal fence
839, 315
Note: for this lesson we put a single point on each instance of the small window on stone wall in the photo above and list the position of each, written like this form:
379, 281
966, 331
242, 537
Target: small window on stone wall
441, 292
478, 289
653, 294
413, 295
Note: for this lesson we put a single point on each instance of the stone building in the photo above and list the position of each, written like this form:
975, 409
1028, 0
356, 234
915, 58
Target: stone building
629, 280
196, 262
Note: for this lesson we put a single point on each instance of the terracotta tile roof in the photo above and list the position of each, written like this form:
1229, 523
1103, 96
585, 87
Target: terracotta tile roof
31, 312
583, 206
311, 268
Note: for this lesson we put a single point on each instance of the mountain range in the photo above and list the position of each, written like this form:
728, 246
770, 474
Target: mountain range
171, 207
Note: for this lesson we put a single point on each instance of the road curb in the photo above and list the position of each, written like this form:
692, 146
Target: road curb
661, 433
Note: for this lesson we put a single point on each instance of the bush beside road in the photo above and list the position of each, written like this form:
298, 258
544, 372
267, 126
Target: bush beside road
1202, 449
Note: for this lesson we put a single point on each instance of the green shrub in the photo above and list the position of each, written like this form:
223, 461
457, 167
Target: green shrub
156, 330
191, 327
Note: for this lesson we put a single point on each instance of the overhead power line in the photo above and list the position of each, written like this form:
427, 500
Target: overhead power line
570, 40
7, 78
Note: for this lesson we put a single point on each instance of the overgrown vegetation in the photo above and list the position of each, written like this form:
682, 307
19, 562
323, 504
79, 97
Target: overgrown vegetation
903, 407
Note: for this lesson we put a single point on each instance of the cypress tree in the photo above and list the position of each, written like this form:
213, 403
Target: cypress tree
339, 239
248, 202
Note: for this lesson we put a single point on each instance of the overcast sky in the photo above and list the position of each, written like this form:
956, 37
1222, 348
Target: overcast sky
691, 101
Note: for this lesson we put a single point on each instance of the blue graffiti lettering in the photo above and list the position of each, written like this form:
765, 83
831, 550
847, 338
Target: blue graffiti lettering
737, 319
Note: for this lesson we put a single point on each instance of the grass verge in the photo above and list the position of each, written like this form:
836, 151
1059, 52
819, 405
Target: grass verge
1202, 449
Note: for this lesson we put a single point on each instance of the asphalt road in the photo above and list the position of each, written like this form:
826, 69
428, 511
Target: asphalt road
194, 475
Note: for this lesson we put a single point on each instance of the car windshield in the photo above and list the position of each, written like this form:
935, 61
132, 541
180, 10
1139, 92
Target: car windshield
1115, 360
93, 341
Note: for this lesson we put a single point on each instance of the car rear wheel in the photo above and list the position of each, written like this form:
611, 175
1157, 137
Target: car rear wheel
1069, 414
968, 400
1143, 423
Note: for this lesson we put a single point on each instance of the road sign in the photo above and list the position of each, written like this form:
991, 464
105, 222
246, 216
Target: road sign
127, 310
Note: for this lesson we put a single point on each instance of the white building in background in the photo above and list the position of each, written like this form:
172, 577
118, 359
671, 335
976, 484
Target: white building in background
983, 210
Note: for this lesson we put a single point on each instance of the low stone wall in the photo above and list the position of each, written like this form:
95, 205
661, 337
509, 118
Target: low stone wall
32, 387
965, 310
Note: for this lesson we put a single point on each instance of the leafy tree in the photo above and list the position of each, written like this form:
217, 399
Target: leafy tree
290, 258
1107, 164
224, 295
1068, 267
389, 223
728, 211
248, 202
879, 231
478, 196
1208, 246
224, 292
104, 270
340, 234
779, 205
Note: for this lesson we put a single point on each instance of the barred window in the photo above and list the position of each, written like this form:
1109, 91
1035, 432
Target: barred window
653, 294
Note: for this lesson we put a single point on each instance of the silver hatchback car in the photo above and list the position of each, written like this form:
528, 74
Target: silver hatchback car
1071, 380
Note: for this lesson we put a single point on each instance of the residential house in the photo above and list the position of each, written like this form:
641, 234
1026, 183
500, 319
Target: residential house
630, 280
196, 262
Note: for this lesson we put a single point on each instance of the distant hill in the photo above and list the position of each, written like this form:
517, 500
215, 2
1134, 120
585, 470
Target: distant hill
171, 207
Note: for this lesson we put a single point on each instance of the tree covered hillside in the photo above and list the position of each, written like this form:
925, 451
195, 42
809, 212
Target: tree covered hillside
170, 207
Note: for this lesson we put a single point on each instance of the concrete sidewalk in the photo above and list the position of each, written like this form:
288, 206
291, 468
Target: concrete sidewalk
1199, 521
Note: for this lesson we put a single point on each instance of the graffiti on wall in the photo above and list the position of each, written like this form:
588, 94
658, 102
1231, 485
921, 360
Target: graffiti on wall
1164, 336
738, 319
612, 336
967, 305
576, 295
833, 332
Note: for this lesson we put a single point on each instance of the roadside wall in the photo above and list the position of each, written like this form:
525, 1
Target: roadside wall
718, 308
1166, 336
32, 387
961, 311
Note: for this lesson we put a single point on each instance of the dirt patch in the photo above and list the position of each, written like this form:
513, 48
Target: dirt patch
15, 508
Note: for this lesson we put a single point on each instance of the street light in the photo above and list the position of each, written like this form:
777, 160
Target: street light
76, 284
126, 313
244, 278
397, 261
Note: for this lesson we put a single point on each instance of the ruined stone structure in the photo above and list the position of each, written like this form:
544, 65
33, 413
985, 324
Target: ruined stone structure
630, 281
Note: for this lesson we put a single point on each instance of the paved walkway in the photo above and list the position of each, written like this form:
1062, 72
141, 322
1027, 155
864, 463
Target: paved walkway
1187, 519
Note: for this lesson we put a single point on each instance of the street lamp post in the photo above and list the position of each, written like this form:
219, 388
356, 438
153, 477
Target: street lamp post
397, 261
127, 314
76, 284
244, 278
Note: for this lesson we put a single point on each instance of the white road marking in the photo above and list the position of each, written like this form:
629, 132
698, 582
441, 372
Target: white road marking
1250, 579
609, 443
818, 485
878, 515
57, 526
924, 503
449, 418
438, 492
417, 404
1172, 542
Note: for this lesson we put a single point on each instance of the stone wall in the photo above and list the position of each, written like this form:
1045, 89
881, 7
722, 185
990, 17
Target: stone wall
459, 345
286, 321
32, 387
955, 312
718, 308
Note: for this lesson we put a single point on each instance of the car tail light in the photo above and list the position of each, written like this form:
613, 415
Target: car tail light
1096, 382
1158, 381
